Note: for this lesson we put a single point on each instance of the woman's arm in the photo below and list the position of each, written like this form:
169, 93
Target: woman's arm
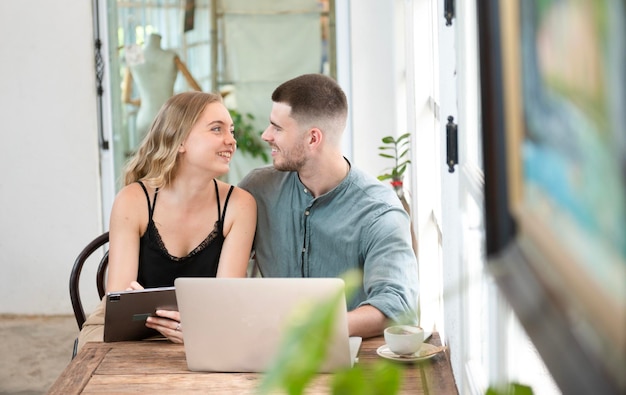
239, 228
129, 218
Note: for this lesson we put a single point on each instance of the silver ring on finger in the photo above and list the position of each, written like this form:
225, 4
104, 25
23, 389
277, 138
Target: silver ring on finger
177, 327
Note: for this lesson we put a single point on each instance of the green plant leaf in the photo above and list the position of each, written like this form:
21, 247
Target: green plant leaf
510, 389
350, 381
305, 343
248, 140
383, 378
405, 163
401, 149
387, 378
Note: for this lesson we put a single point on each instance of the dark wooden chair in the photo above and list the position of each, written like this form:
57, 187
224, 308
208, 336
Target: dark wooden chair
77, 305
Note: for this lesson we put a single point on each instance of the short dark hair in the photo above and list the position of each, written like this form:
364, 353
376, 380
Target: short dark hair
313, 97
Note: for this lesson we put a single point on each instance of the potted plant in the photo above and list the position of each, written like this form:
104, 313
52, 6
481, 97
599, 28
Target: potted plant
398, 150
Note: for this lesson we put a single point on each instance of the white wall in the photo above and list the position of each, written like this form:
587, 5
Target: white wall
376, 61
49, 188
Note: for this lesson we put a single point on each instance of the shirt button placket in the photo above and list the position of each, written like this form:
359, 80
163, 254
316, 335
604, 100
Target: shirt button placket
305, 245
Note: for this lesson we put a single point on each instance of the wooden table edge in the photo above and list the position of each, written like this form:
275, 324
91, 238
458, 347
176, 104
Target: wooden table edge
78, 372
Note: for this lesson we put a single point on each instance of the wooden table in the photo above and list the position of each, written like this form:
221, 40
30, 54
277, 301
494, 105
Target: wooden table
160, 367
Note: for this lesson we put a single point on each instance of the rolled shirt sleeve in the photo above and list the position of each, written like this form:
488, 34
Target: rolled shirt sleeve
390, 268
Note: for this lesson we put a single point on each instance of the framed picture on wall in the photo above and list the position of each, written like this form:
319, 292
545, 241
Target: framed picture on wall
554, 87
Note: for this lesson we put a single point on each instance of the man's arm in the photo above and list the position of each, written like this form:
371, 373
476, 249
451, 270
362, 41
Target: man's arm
390, 279
366, 321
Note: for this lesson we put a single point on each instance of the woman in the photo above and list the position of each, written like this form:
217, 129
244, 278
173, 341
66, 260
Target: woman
174, 217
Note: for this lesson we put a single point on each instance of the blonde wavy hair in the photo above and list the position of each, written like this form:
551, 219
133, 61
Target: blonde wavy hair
156, 159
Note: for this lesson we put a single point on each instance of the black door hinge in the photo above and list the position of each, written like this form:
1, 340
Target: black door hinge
448, 11
99, 61
452, 144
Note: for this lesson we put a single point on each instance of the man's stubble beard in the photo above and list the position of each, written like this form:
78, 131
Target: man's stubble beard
293, 161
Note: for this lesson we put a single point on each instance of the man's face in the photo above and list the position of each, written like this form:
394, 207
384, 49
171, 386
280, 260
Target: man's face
286, 139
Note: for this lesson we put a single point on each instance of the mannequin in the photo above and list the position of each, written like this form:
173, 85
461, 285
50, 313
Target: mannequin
155, 77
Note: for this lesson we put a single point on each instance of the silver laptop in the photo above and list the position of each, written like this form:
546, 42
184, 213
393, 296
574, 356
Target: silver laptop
126, 312
238, 324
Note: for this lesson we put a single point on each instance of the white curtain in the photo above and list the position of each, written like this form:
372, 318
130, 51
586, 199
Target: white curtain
267, 42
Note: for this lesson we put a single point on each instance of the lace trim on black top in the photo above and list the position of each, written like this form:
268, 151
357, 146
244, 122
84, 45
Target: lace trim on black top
156, 236
154, 232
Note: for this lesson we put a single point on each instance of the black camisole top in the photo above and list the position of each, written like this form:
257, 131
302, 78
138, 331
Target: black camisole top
157, 268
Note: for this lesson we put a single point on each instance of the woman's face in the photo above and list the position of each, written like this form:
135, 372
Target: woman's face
211, 143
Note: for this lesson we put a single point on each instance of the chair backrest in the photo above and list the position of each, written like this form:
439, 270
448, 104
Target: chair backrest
77, 304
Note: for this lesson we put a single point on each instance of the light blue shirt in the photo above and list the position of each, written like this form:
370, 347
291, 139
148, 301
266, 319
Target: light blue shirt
360, 224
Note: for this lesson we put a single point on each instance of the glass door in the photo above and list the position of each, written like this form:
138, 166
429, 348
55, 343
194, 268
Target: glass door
157, 49
148, 50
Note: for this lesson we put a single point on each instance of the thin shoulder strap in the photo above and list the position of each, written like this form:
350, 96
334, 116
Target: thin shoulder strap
150, 207
217, 197
226, 202
221, 215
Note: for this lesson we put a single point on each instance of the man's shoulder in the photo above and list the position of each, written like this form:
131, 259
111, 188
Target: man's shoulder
265, 177
254, 174
372, 187
363, 178
370, 183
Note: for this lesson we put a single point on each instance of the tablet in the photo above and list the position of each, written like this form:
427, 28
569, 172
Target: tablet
127, 311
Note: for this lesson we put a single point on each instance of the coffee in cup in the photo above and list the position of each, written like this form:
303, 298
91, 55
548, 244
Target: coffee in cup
404, 339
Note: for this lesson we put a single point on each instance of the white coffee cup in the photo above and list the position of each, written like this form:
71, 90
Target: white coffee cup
404, 339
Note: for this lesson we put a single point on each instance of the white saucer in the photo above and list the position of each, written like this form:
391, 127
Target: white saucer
428, 350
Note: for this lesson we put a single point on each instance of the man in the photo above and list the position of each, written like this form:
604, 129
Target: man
320, 217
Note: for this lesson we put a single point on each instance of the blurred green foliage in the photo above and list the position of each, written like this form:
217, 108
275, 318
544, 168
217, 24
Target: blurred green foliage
510, 389
248, 140
304, 348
